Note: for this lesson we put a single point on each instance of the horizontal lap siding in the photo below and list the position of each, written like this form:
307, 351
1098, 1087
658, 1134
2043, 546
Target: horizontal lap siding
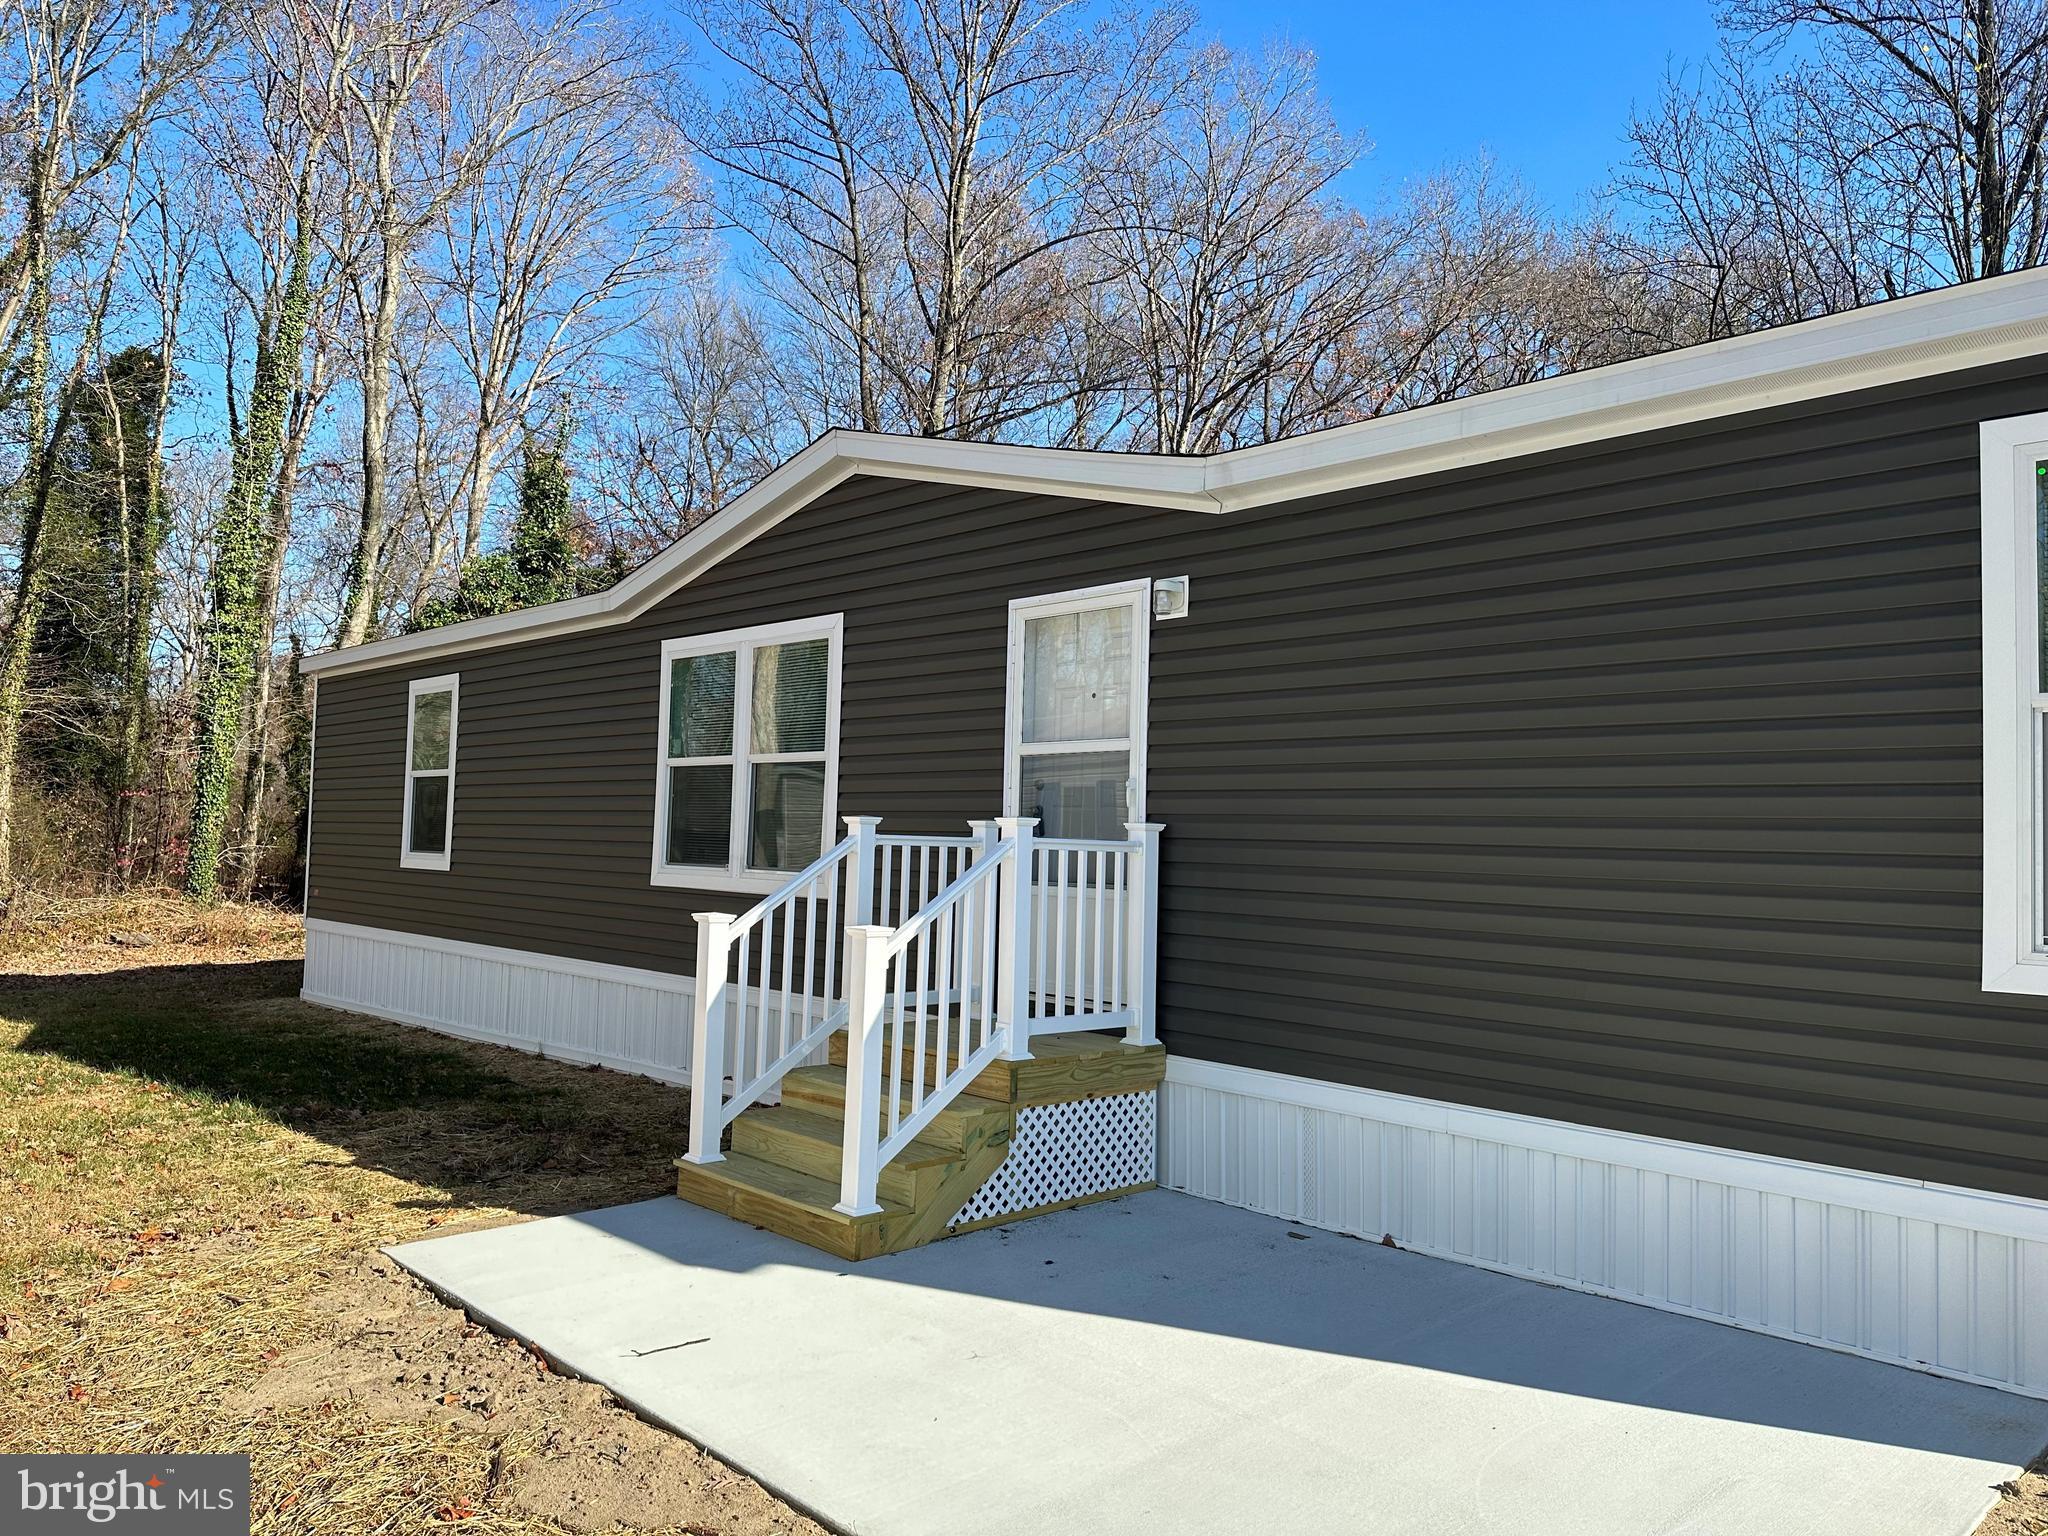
1636, 786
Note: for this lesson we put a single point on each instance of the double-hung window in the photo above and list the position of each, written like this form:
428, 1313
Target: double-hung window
2014, 470
749, 755
429, 827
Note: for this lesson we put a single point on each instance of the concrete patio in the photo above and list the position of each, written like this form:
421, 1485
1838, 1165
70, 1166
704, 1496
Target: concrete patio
1167, 1364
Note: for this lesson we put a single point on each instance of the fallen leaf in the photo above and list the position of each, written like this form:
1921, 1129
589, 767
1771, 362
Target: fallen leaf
121, 1283
459, 1510
76, 1393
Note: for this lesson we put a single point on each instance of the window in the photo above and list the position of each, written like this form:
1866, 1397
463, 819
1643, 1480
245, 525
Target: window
429, 831
2015, 573
1077, 710
749, 755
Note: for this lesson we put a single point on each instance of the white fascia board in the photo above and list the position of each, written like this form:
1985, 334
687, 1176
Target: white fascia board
1951, 329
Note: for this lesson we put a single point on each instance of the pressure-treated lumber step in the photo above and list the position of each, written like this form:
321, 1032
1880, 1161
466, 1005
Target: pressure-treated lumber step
797, 1205
783, 1169
811, 1143
1080, 1064
962, 1126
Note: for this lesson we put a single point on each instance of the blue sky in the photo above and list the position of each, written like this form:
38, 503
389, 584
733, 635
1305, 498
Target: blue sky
1545, 87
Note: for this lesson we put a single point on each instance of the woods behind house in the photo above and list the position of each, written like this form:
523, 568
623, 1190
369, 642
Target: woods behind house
330, 319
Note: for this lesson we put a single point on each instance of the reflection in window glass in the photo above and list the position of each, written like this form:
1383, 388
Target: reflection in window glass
1077, 794
1077, 673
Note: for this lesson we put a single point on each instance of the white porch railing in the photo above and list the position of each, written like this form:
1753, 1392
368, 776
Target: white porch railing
997, 937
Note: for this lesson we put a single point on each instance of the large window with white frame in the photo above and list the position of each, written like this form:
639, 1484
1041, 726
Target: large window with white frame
748, 772
2015, 572
428, 835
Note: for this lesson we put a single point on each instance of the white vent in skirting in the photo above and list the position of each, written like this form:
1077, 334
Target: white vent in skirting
1070, 1151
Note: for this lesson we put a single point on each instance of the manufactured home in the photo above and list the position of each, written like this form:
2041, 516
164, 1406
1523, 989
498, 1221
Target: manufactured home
1592, 831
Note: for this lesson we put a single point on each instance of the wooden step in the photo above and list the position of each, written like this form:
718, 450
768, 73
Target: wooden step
1079, 1064
794, 1204
813, 1144
965, 1125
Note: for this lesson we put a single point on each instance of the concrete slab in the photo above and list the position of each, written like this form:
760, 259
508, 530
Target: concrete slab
1167, 1364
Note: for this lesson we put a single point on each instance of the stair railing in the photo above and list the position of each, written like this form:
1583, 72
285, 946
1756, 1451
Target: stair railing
766, 996
925, 1016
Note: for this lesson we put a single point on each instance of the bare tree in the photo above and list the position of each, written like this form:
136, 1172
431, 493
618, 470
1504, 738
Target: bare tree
705, 418
914, 177
554, 251
303, 63
1948, 99
407, 156
90, 77
800, 143
1235, 263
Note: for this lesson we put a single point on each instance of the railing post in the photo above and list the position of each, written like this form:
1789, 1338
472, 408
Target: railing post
860, 1150
1013, 922
707, 1038
1141, 937
860, 875
973, 984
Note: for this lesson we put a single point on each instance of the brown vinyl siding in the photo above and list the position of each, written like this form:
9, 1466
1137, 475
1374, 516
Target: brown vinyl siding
1635, 785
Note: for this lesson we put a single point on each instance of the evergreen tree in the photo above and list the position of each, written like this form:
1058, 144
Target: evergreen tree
543, 562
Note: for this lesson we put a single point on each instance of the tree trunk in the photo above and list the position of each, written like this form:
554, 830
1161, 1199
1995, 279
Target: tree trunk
32, 576
234, 630
256, 769
359, 605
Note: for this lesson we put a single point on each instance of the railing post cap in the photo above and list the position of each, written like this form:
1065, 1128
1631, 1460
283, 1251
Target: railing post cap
871, 930
1015, 823
853, 822
1140, 828
715, 918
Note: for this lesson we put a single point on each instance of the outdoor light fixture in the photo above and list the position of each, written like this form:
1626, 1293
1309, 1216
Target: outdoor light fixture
1170, 597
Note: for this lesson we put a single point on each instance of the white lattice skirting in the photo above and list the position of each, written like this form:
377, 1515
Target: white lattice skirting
1946, 1280
1062, 1152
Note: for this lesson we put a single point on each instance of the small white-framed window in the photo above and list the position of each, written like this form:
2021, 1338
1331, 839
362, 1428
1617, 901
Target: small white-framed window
2014, 485
747, 759
427, 837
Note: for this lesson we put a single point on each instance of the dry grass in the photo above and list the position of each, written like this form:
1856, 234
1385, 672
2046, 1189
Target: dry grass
41, 934
196, 1168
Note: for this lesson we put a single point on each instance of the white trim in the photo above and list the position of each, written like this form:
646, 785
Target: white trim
734, 875
312, 778
581, 1011
1942, 1279
449, 683
2015, 959
1137, 597
1966, 326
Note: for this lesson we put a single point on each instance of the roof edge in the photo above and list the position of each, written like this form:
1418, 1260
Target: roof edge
1947, 330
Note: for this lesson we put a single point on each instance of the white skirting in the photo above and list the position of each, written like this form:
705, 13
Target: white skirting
570, 1010
1946, 1280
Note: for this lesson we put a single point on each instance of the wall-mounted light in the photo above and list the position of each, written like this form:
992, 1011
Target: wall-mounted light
1170, 597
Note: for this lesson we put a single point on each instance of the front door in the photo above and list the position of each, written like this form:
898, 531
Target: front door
1076, 717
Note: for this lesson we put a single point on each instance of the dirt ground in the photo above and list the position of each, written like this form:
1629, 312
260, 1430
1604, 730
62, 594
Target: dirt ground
2022, 1509
196, 1173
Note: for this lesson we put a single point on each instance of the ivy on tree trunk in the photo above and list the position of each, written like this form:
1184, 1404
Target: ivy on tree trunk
234, 628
